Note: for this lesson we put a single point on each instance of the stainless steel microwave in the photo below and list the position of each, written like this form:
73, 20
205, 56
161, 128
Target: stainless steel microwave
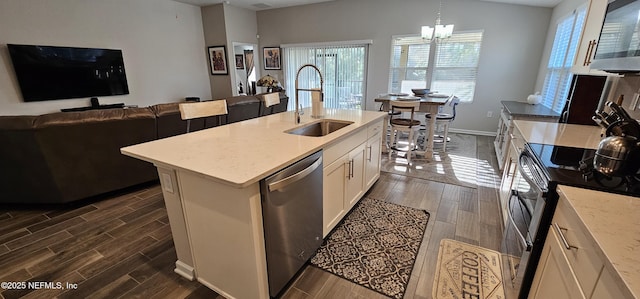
618, 48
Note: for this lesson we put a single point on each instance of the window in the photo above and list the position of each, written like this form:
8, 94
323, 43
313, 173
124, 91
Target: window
343, 67
452, 69
565, 45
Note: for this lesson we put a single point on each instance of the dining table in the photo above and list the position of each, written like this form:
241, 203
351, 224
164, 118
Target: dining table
428, 104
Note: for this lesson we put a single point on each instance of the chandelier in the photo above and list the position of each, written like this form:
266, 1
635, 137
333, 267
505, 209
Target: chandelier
440, 31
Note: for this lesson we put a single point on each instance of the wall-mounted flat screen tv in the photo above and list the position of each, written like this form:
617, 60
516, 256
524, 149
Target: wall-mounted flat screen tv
52, 73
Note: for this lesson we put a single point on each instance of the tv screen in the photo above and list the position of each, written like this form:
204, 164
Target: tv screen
52, 73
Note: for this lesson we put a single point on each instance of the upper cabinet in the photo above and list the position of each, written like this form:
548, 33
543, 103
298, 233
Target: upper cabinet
589, 39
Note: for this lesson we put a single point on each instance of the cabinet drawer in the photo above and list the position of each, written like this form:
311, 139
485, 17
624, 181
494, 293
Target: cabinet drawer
584, 260
374, 129
343, 146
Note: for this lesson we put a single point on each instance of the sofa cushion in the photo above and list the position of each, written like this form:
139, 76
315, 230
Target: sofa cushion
242, 108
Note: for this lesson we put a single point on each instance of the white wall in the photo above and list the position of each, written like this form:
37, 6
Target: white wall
223, 25
242, 28
514, 38
162, 43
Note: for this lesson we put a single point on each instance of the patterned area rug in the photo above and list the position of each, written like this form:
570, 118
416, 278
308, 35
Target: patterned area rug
467, 271
375, 246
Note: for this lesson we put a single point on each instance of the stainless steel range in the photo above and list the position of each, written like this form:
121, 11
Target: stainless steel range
533, 200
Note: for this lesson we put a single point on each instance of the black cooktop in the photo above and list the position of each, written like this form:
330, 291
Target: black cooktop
574, 167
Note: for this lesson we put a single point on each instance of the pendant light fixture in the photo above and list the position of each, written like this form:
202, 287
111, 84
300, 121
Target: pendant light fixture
440, 31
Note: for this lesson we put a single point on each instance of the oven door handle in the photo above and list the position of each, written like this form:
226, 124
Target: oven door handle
524, 241
521, 163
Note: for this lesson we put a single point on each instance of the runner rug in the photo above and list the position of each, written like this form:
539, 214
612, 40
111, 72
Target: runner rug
467, 271
375, 246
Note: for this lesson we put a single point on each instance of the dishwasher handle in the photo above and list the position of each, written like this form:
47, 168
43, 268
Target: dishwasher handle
279, 184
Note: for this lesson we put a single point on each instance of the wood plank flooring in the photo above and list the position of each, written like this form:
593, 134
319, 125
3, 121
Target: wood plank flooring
462, 213
121, 246
118, 247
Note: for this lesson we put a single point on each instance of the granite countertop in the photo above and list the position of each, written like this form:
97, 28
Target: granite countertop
525, 109
559, 134
243, 153
613, 224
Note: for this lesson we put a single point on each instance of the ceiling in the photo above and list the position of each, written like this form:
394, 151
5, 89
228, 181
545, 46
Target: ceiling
268, 4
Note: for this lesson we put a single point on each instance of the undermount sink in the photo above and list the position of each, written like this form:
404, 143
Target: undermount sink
320, 128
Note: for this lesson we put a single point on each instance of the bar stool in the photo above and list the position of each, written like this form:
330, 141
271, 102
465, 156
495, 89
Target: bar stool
400, 124
443, 119
189, 111
270, 100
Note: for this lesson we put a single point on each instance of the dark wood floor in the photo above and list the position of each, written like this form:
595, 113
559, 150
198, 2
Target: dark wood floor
112, 248
121, 247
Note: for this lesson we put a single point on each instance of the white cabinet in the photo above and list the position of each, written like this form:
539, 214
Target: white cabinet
554, 277
343, 186
510, 111
351, 167
333, 187
354, 188
501, 143
607, 287
589, 39
567, 248
509, 173
372, 160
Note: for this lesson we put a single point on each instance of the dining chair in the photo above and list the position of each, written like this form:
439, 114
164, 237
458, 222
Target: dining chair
400, 123
189, 111
270, 100
444, 119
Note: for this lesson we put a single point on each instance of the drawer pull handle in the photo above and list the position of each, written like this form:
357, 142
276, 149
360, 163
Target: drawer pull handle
562, 237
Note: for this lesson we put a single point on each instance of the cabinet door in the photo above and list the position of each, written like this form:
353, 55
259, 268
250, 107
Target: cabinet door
589, 38
372, 169
355, 176
501, 138
554, 277
508, 173
607, 288
333, 188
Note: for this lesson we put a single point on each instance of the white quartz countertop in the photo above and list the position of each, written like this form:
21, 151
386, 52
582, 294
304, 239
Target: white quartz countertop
613, 222
580, 136
243, 153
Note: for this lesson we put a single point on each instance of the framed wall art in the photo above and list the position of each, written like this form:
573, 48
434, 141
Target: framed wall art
272, 58
239, 62
218, 60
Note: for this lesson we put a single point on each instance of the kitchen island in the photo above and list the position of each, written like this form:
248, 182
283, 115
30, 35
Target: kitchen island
211, 186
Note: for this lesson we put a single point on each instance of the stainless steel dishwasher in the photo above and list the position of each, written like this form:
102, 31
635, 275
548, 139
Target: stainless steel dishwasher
292, 216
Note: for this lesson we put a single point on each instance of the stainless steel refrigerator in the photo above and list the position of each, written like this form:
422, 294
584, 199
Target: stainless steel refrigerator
583, 100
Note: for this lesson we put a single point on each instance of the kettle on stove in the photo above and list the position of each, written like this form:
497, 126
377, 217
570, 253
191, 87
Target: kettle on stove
619, 153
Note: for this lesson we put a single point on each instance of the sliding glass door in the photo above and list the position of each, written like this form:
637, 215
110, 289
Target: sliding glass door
343, 68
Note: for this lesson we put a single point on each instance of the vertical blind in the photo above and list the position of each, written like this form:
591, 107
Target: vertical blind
452, 70
565, 45
343, 67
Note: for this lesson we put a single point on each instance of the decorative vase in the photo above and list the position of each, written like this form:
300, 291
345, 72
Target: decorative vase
534, 98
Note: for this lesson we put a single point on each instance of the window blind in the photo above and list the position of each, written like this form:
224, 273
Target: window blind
456, 65
452, 70
343, 67
563, 52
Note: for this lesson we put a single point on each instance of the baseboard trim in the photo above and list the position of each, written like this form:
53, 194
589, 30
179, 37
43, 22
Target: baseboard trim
185, 270
473, 132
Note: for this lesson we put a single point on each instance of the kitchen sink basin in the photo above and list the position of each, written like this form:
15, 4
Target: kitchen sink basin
320, 128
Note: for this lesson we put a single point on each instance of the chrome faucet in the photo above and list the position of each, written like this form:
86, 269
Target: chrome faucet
298, 108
